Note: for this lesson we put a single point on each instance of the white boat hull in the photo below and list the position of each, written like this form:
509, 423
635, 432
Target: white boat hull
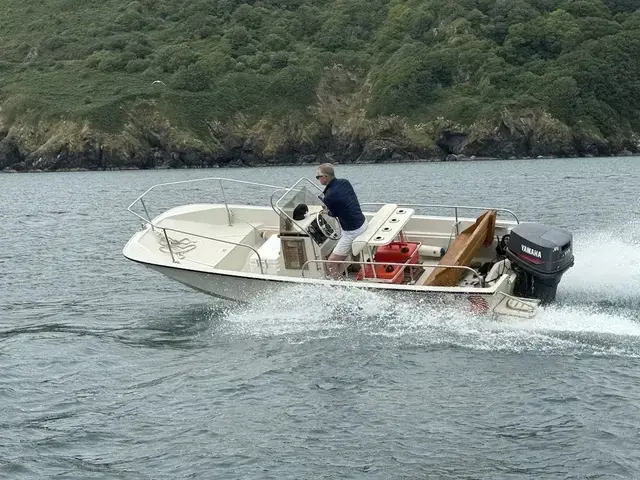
234, 288
242, 289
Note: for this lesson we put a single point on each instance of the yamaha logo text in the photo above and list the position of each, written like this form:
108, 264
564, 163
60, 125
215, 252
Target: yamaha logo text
531, 251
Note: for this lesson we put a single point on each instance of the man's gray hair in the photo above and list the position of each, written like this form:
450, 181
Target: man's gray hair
326, 169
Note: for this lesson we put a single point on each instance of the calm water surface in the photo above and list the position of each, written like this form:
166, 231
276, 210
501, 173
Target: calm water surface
111, 371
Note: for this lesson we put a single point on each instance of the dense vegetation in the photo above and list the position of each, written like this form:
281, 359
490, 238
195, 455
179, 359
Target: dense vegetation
281, 74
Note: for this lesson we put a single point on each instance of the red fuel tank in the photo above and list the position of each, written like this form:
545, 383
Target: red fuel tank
398, 252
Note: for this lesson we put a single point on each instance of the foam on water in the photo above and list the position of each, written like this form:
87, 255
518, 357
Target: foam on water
595, 313
607, 267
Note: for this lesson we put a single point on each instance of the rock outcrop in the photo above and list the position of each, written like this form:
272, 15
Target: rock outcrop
230, 146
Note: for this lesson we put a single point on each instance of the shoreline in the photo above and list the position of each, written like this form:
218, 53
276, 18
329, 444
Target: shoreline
235, 165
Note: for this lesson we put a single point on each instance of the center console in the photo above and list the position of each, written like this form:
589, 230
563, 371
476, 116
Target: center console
304, 241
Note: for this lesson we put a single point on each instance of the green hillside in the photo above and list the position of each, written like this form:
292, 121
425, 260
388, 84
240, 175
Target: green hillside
284, 78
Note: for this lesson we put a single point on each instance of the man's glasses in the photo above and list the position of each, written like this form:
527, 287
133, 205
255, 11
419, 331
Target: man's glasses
318, 177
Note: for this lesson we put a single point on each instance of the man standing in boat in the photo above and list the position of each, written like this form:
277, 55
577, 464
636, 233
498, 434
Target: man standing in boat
341, 202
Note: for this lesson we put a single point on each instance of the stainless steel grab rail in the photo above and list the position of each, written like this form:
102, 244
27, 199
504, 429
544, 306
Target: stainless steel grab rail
276, 207
395, 264
154, 226
194, 180
454, 207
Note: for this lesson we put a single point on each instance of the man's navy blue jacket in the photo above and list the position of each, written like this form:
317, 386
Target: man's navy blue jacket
342, 202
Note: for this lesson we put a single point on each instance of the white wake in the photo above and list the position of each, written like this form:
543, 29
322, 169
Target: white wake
596, 312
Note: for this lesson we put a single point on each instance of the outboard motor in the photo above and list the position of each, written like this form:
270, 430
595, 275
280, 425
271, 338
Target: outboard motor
539, 255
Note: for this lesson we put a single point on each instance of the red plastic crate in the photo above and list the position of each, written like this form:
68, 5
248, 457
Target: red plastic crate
383, 272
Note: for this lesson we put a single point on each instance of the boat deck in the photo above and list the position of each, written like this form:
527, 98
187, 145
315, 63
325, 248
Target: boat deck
202, 244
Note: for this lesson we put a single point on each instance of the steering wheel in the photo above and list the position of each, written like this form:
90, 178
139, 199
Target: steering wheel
330, 231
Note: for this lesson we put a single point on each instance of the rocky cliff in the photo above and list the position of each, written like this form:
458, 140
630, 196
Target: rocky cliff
148, 145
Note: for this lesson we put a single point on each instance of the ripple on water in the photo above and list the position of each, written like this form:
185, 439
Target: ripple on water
110, 371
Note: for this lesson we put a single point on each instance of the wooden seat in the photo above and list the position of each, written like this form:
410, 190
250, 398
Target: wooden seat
462, 251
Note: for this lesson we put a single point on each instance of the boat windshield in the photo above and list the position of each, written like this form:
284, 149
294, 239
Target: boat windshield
301, 199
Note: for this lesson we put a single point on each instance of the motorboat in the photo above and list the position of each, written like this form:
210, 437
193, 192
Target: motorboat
280, 236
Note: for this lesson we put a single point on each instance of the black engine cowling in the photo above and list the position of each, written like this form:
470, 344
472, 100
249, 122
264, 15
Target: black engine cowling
539, 254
